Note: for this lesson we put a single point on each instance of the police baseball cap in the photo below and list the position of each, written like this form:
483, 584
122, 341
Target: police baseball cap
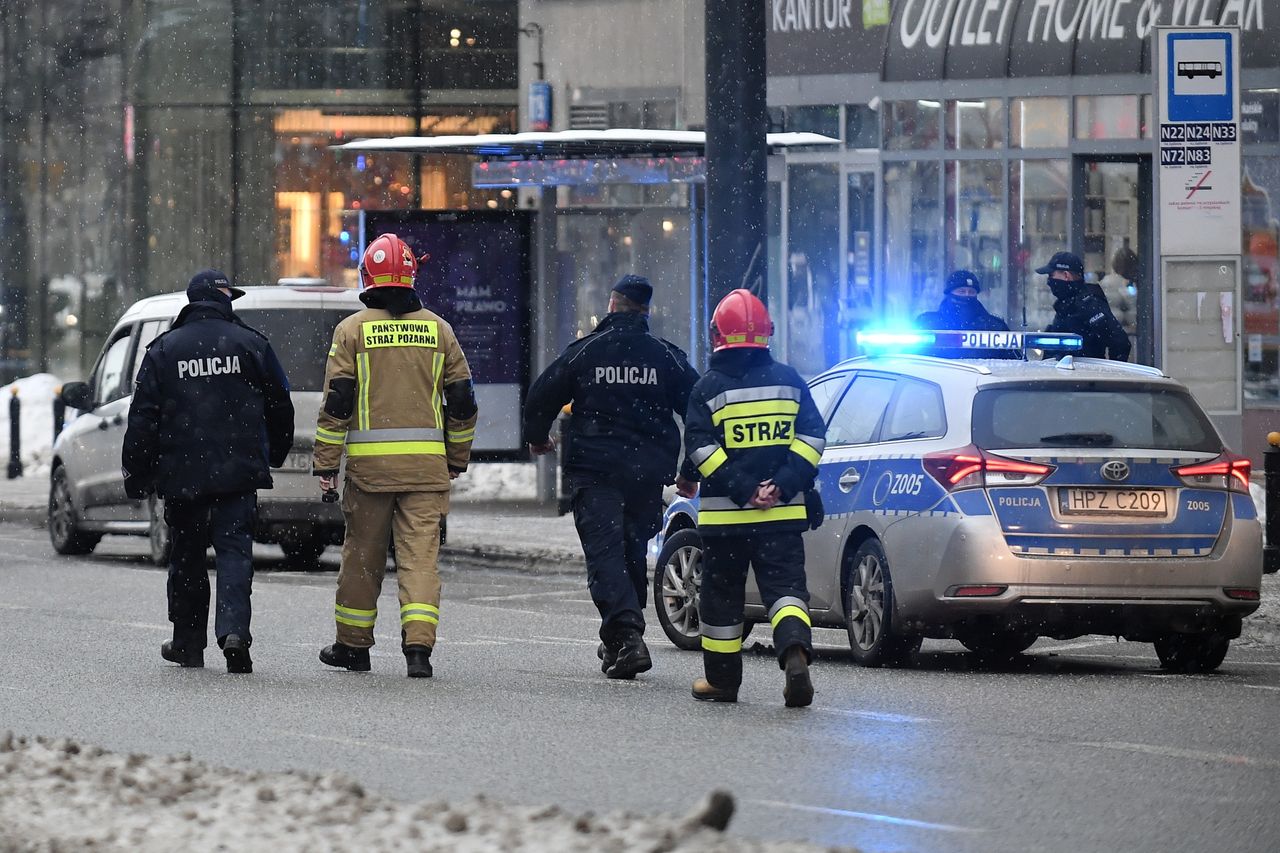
1064, 262
636, 288
961, 278
205, 284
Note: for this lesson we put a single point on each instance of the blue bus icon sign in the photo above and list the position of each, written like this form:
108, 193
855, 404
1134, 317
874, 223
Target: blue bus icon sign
1200, 76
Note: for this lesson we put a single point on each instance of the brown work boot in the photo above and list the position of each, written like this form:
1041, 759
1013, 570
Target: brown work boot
705, 691
798, 691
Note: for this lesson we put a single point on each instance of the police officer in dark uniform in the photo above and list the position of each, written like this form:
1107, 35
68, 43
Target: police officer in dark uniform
210, 417
754, 437
627, 387
1078, 310
960, 310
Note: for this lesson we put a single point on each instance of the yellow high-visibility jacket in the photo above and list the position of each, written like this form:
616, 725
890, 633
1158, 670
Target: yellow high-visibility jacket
398, 401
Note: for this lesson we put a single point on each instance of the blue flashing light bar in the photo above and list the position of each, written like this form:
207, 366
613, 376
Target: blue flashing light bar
921, 341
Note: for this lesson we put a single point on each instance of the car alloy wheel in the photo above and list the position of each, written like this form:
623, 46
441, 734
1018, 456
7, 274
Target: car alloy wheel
158, 532
677, 587
65, 536
874, 635
867, 594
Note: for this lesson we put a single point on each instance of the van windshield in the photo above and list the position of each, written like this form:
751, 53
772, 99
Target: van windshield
1091, 414
300, 337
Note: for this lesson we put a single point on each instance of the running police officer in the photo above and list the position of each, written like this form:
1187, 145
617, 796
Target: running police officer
754, 437
627, 387
1081, 312
210, 417
399, 401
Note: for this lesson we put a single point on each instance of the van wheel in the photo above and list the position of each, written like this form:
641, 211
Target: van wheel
304, 551
158, 532
870, 611
677, 587
997, 643
65, 536
1190, 653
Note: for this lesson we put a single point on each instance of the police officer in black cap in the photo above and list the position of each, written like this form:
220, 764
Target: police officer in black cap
960, 310
627, 387
210, 417
1078, 310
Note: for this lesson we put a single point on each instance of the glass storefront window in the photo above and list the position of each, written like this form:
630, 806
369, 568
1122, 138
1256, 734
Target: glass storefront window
975, 226
183, 54
975, 123
1039, 221
1039, 122
913, 261
1260, 220
1107, 116
861, 126
813, 274
911, 125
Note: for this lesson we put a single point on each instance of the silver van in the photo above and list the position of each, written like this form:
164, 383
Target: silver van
86, 487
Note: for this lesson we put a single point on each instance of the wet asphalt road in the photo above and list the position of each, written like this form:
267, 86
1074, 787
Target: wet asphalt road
1078, 746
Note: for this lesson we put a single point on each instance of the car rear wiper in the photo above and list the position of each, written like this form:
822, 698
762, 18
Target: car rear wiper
1088, 439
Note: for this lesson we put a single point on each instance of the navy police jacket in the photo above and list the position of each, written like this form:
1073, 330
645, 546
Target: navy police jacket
627, 387
210, 413
752, 419
1090, 317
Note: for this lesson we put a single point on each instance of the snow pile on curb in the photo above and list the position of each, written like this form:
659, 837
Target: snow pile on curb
36, 394
56, 795
497, 481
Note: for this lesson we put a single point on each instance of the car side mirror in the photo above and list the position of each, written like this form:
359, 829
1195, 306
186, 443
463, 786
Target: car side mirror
77, 395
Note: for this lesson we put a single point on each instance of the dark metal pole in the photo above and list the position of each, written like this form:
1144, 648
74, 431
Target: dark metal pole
15, 436
419, 91
237, 63
737, 120
1271, 542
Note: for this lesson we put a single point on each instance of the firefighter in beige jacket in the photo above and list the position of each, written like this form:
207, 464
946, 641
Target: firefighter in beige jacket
399, 402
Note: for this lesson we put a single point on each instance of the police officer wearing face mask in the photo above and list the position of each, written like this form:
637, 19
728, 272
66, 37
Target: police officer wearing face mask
209, 419
627, 387
961, 311
1078, 310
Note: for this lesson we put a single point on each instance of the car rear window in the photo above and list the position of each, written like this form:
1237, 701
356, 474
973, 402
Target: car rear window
300, 337
1091, 414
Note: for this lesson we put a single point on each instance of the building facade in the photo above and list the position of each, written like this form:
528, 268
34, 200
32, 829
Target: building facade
146, 139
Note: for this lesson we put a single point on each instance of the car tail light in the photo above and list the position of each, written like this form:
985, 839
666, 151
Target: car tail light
1241, 593
1228, 471
971, 468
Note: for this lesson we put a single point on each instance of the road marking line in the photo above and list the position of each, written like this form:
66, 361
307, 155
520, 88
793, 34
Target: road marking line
1260, 687
14, 689
356, 743
879, 716
1152, 657
877, 818
1176, 752
520, 595
1077, 644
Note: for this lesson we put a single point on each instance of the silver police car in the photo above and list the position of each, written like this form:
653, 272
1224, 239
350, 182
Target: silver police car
998, 501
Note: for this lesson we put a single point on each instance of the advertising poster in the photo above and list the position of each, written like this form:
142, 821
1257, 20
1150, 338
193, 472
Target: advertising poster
477, 276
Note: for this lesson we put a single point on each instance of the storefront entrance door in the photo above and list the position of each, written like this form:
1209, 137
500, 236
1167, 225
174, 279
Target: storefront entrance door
1112, 224
859, 306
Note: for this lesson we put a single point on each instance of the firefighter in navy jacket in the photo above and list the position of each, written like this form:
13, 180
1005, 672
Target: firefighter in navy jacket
627, 388
754, 437
209, 419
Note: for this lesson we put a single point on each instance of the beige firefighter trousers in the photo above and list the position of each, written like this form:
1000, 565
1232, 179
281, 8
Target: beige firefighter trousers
413, 518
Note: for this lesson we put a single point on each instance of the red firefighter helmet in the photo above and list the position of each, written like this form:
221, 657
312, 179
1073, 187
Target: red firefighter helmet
740, 320
388, 262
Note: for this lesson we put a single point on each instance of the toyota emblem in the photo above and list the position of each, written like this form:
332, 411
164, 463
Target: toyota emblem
1116, 471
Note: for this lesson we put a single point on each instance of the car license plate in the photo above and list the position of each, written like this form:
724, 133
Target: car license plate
1150, 502
298, 460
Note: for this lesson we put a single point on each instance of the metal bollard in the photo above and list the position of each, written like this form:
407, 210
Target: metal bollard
15, 435
59, 413
1271, 541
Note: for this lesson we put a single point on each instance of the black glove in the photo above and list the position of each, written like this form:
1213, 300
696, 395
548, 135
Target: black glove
814, 511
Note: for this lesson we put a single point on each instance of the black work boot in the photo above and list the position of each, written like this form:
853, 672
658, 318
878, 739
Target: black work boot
633, 657
418, 659
705, 691
798, 690
607, 657
345, 657
193, 658
236, 652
